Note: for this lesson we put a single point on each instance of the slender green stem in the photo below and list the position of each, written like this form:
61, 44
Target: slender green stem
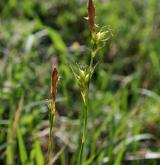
85, 121
51, 120
91, 62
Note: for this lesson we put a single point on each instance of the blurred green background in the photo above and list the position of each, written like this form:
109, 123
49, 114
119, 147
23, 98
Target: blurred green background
124, 110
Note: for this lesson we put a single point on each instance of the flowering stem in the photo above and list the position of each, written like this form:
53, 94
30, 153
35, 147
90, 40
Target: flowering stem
51, 120
85, 121
91, 63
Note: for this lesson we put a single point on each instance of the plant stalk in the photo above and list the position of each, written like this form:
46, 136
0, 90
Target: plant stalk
51, 120
85, 121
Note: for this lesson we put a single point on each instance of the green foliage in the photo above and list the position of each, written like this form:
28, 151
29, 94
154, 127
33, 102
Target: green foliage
123, 119
22, 149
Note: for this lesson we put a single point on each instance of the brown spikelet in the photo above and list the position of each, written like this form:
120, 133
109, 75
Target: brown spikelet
54, 82
91, 15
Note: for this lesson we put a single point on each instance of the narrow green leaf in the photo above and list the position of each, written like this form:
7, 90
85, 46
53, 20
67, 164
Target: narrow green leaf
38, 153
57, 40
22, 149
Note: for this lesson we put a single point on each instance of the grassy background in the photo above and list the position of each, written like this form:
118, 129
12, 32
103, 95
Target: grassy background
124, 93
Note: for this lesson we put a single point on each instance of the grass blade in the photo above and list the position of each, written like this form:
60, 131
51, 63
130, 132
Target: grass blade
22, 149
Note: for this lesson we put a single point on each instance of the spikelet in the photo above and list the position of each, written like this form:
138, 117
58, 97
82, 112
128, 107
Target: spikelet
54, 82
91, 15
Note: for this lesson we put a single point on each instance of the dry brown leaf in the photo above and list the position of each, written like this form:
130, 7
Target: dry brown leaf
91, 15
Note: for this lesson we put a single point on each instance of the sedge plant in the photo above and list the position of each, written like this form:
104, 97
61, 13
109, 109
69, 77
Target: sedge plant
52, 110
83, 73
